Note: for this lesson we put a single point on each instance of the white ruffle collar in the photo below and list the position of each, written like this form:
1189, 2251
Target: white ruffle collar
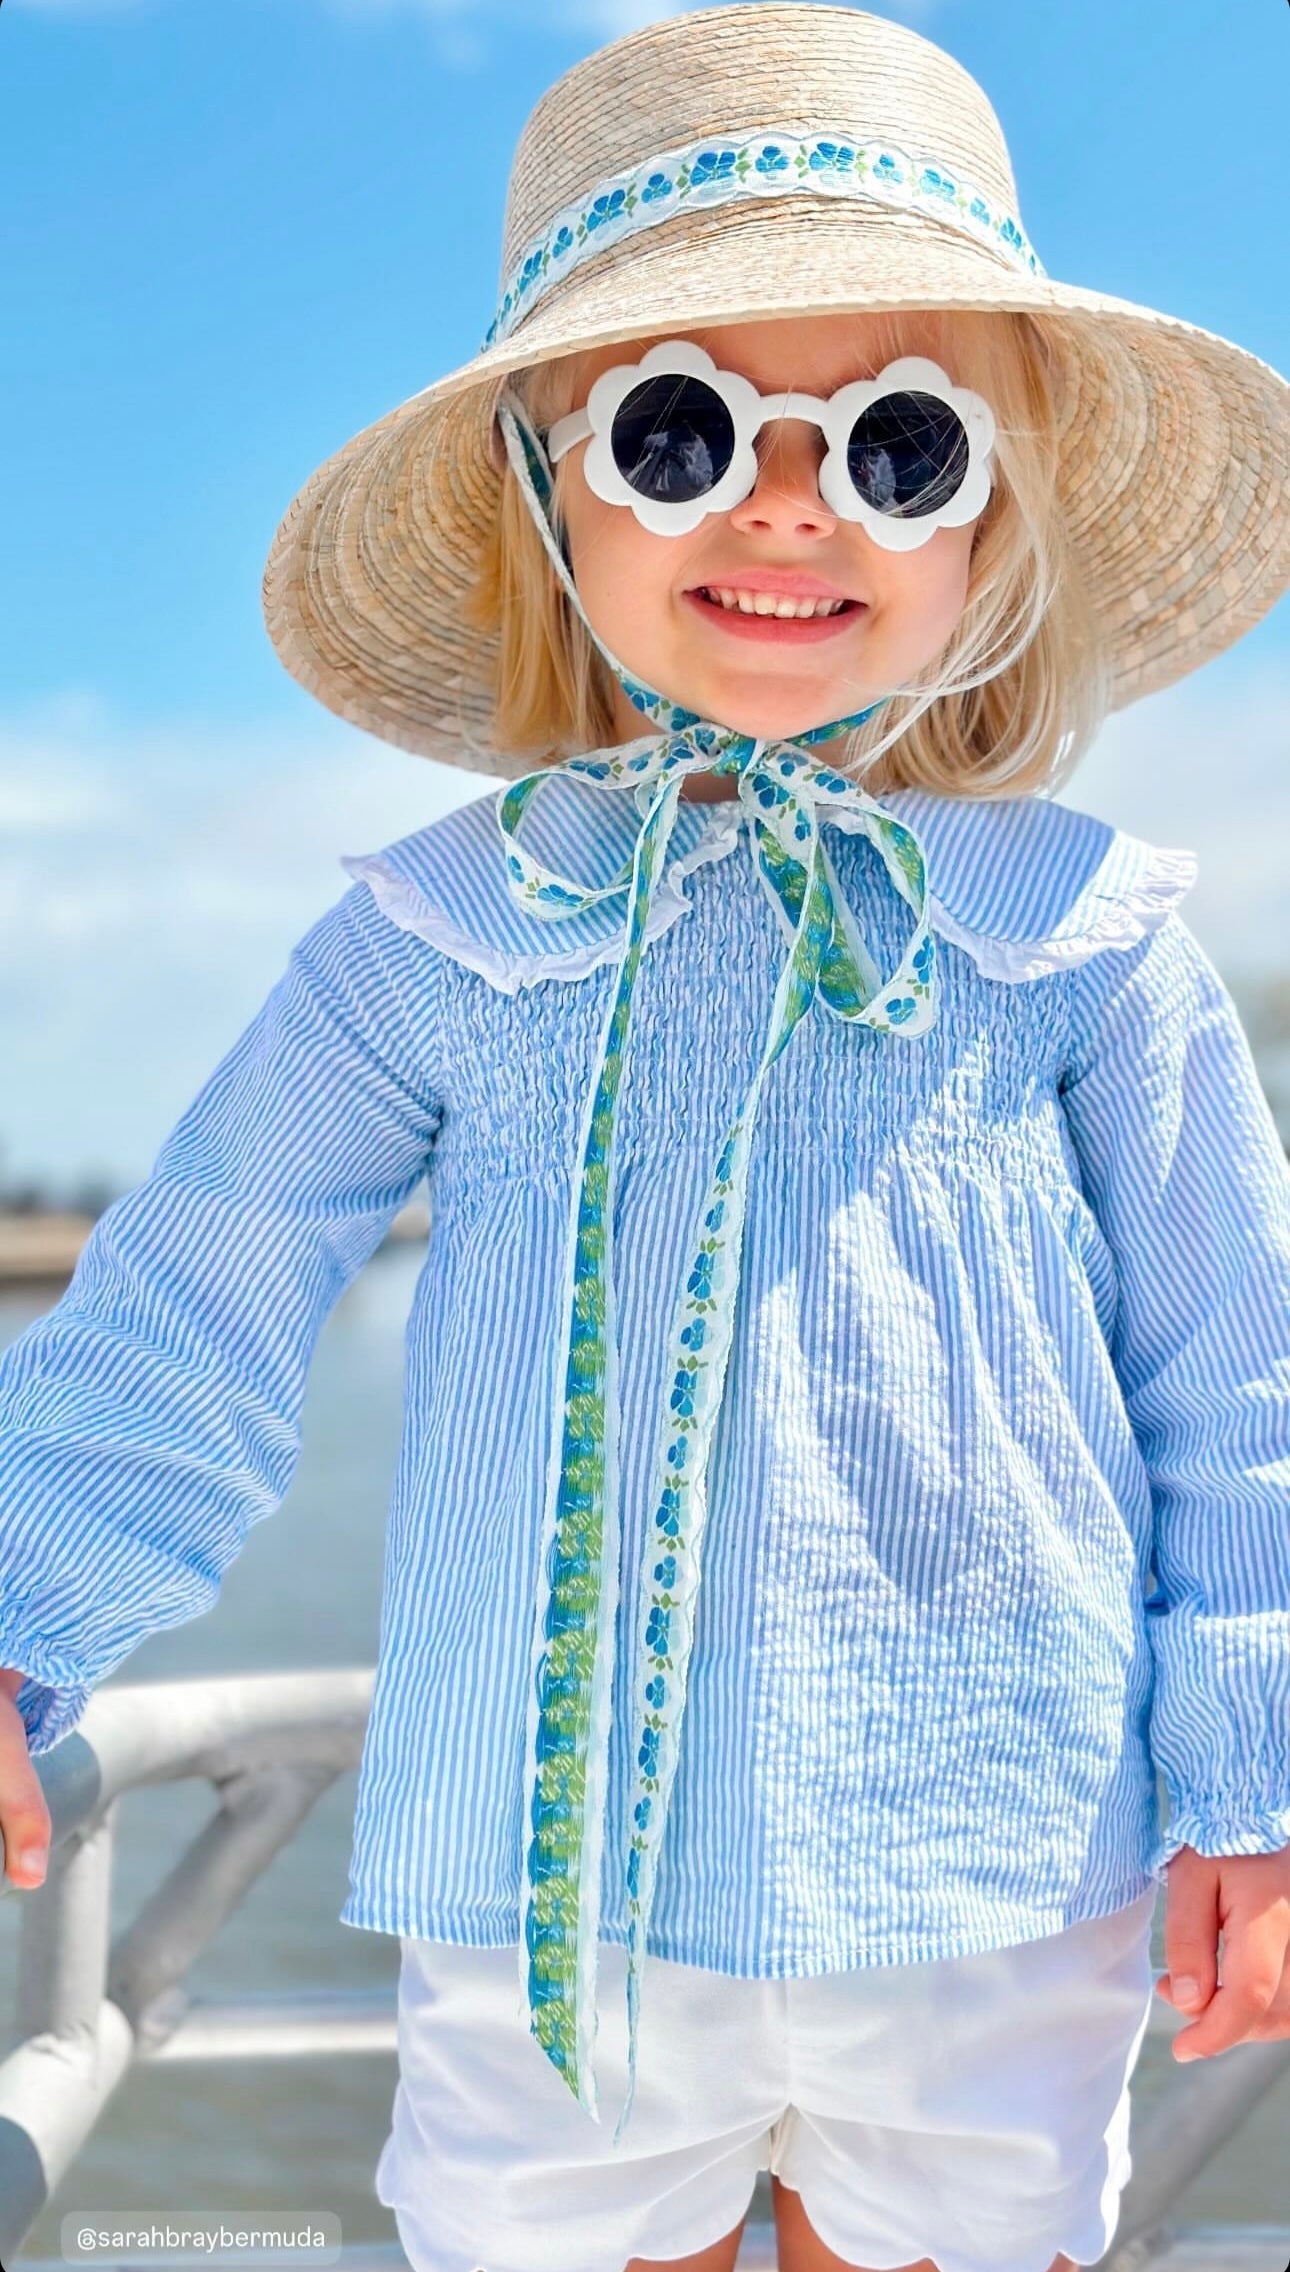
1023, 885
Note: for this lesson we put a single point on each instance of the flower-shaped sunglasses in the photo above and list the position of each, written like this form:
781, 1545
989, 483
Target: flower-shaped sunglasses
671, 436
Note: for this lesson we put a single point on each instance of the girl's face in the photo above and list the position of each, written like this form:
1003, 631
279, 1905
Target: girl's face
645, 594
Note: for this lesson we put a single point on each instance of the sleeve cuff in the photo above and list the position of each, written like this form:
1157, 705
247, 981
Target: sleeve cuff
1217, 1831
50, 1700
49, 1714
1220, 1717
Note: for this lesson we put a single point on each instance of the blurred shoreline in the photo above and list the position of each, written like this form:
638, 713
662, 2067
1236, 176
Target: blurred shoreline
39, 1246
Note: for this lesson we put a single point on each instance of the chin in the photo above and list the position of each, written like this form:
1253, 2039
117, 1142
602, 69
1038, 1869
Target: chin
787, 724
754, 710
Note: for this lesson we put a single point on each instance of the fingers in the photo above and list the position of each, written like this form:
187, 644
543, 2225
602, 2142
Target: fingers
1191, 1936
24, 1816
1251, 1986
1247, 1898
1274, 2026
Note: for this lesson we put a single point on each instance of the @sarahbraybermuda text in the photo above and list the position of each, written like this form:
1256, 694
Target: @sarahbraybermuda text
293, 2235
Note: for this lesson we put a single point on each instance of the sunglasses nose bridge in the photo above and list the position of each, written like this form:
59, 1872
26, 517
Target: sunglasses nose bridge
807, 407
792, 405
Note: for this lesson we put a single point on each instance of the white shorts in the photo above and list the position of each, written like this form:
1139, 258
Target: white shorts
974, 2110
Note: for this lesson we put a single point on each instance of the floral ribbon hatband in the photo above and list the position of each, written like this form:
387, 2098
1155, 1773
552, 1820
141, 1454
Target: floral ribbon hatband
776, 161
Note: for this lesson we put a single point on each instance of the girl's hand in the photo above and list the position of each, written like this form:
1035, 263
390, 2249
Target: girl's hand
24, 1816
1247, 1897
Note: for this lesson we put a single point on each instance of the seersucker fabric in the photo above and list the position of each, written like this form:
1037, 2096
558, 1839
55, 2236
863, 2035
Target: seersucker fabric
996, 1527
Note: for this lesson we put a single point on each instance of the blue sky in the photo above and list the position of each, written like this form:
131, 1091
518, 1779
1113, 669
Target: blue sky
232, 237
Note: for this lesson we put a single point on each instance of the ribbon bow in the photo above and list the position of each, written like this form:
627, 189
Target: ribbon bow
571, 1666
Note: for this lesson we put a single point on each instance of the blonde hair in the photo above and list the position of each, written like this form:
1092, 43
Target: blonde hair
1007, 707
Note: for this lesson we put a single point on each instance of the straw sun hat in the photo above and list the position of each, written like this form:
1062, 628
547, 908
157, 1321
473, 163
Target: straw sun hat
764, 161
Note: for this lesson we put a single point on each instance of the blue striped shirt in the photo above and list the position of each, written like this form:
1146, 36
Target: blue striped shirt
997, 1527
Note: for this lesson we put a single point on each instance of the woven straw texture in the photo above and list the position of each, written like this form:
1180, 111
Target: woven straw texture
1175, 443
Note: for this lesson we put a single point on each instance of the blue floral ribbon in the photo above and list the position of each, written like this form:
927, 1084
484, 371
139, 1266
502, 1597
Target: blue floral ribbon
784, 793
826, 162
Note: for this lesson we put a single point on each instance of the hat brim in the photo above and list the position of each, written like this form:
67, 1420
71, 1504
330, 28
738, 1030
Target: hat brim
1175, 463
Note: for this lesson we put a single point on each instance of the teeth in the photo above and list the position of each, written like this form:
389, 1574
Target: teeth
770, 603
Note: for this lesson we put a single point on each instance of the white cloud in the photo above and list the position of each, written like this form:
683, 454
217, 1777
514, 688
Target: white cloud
1206, 765
153, 879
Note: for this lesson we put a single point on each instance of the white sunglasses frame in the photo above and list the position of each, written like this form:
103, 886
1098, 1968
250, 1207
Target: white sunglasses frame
749, 412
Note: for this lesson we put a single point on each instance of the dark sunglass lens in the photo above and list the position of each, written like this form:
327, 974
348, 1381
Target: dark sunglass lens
673, 438
907, 454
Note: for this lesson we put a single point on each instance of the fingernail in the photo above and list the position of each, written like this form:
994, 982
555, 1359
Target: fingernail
32, 1860
1186, 1990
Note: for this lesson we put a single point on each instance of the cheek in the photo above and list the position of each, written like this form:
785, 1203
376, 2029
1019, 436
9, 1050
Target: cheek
949, 561
928, 590
624, 575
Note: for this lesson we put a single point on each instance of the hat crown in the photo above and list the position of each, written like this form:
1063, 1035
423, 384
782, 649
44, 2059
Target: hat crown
737, 70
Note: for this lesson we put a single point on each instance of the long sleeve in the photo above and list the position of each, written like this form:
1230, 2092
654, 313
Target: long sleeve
153, 1413
1183, 1168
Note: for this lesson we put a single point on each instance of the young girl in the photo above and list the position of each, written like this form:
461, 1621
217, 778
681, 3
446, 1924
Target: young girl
847, 1414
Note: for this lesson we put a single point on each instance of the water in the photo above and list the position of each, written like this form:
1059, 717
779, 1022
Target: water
305, 1592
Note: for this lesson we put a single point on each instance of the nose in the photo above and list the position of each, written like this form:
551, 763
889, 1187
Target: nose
785, 498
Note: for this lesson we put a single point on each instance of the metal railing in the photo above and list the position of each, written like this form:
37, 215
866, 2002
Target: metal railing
90, 2008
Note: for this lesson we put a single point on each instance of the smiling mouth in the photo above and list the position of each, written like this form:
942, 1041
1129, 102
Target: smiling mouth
775, 604
774, 618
